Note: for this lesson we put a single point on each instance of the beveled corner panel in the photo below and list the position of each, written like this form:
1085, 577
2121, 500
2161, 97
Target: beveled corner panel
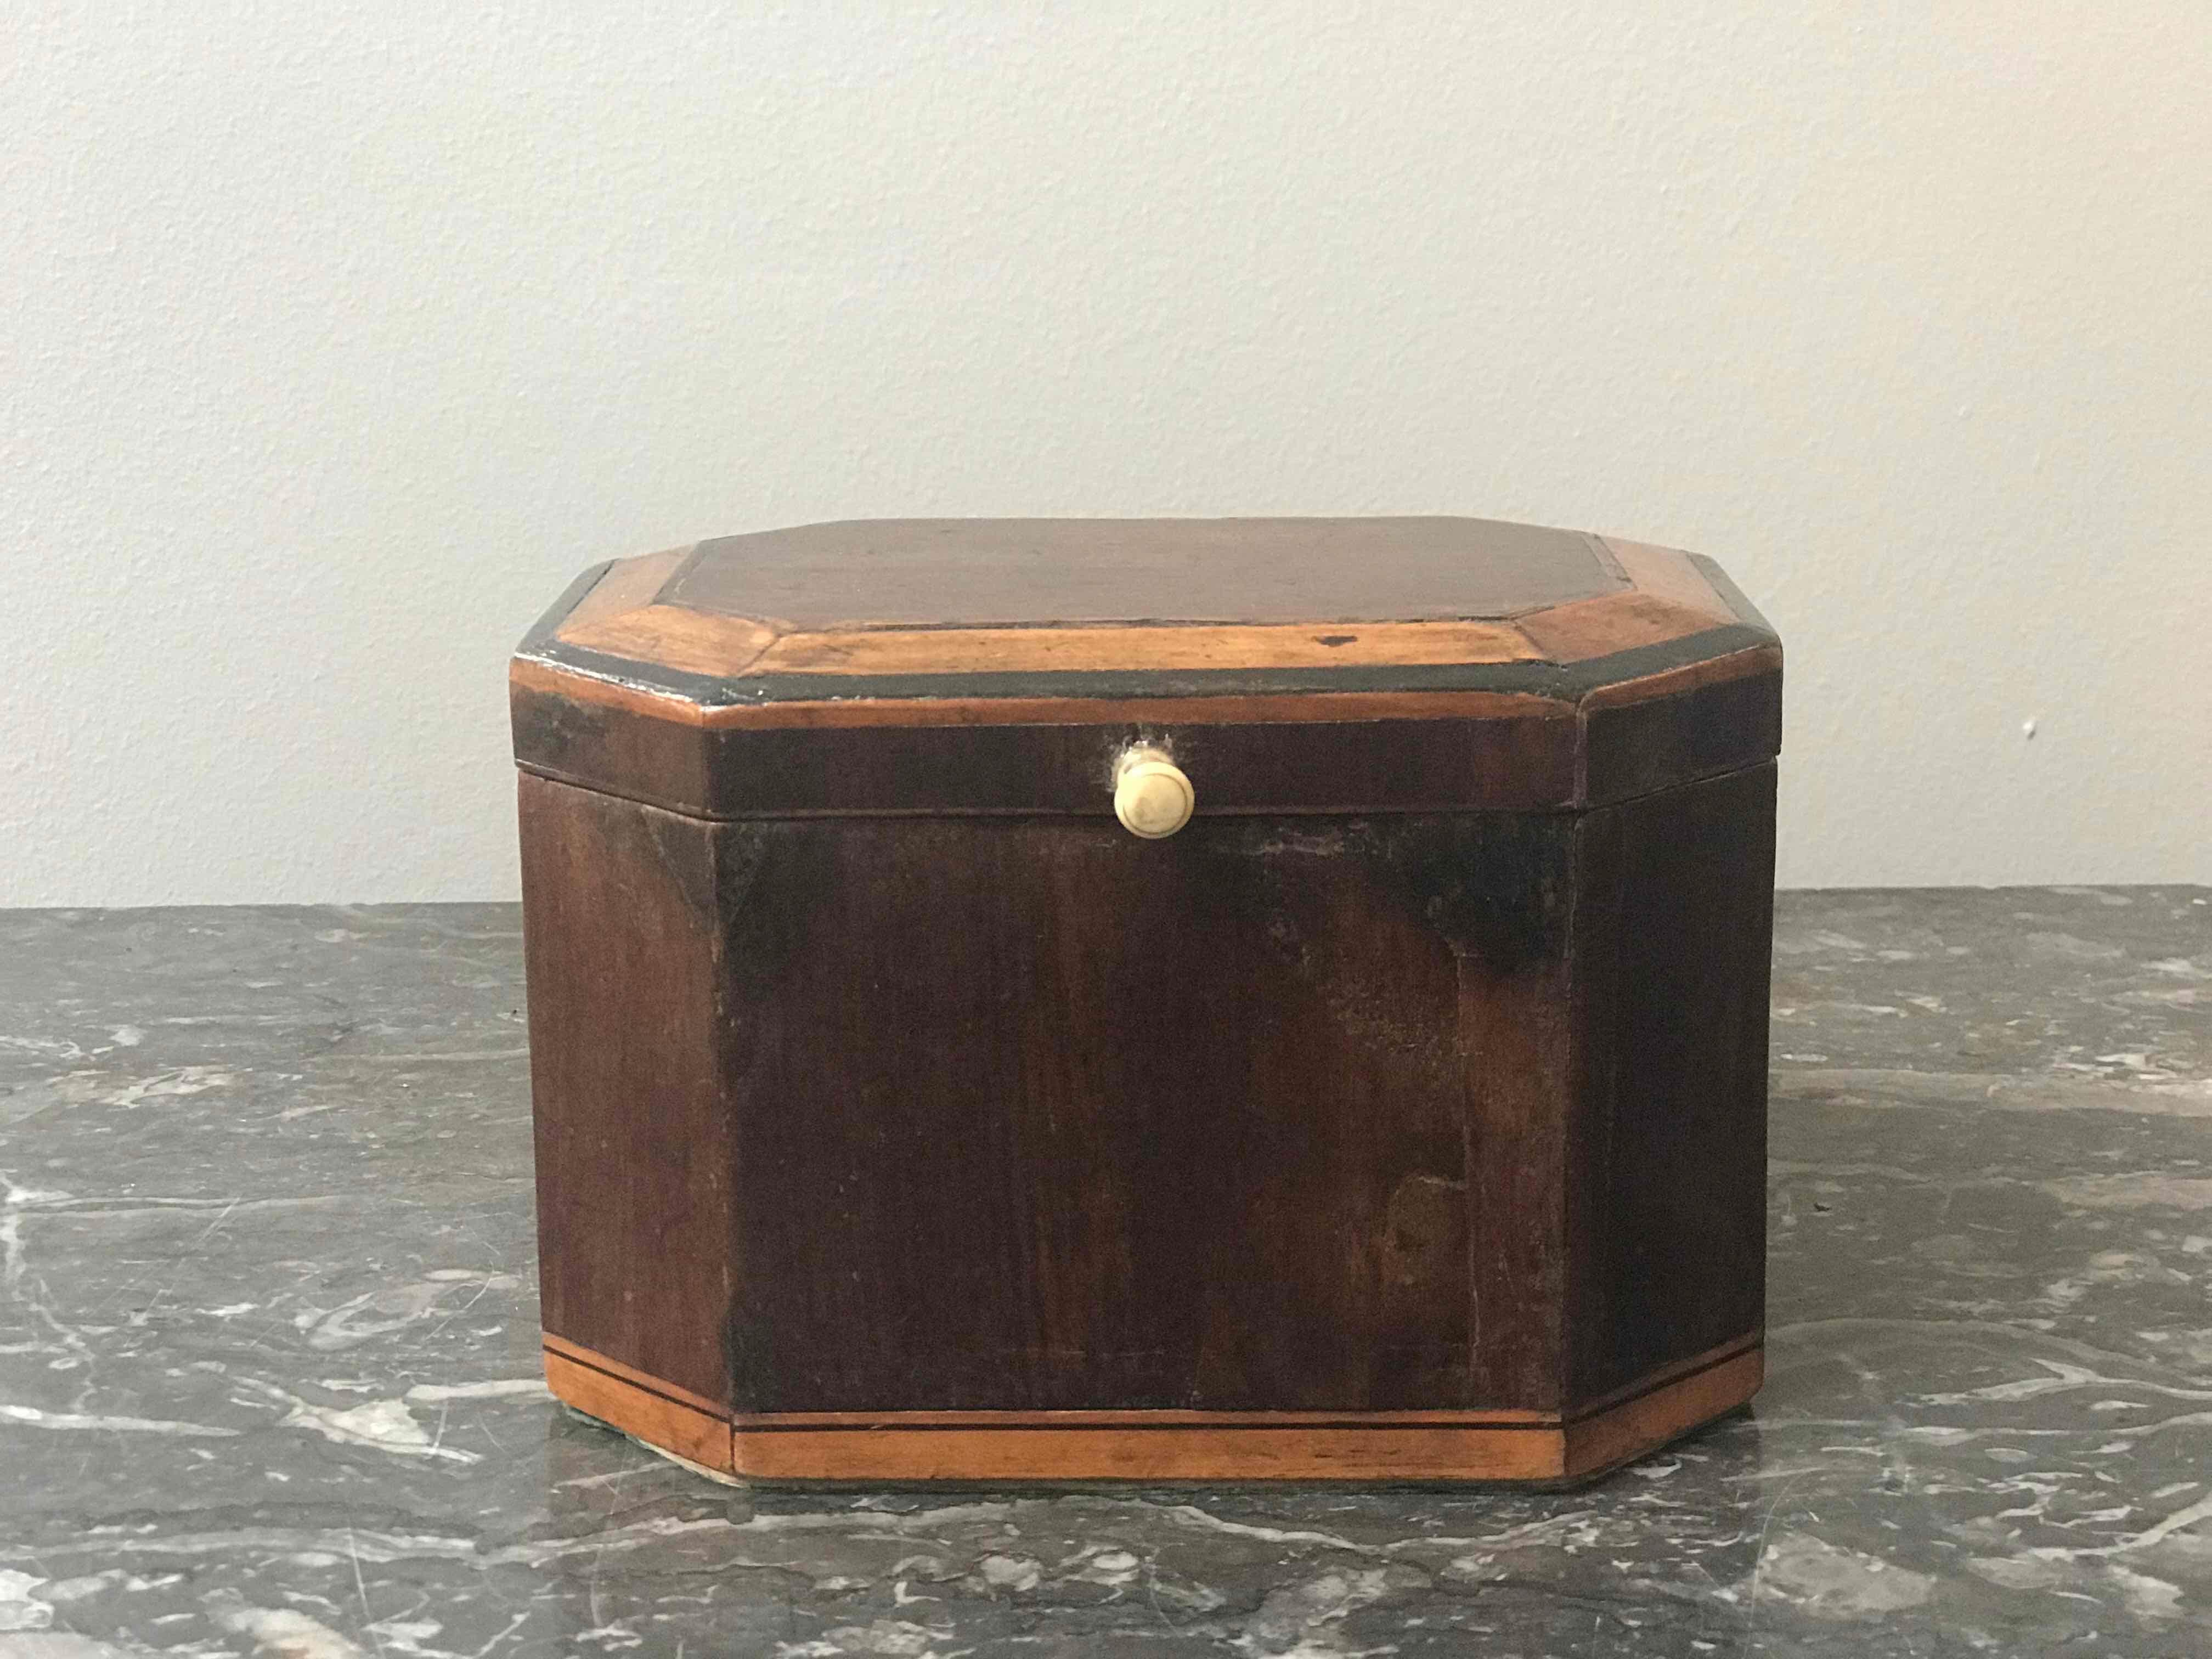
633, 1142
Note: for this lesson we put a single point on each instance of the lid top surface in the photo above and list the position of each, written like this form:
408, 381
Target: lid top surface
878, 620
955, 572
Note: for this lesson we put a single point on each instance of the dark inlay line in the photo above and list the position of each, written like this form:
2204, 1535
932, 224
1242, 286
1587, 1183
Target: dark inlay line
1489, 1426
717, 1415
1379, 1420
890, 1421
1613, 1402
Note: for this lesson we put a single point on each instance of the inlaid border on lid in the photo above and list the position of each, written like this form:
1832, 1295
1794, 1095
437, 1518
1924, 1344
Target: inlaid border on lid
1667, 633
624, 629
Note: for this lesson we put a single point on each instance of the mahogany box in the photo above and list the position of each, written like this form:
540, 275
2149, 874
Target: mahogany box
1151, 999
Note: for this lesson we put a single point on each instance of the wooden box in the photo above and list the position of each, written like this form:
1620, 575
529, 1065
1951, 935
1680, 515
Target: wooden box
902, 1116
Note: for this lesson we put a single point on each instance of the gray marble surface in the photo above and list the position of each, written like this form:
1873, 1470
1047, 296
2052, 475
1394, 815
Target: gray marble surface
268, 1360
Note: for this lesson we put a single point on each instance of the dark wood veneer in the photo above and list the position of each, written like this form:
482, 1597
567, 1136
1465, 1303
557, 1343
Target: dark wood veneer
901, 1116
621, 934
942, 571
1018, 1114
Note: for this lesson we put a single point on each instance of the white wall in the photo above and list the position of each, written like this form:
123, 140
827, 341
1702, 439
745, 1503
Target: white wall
334, 338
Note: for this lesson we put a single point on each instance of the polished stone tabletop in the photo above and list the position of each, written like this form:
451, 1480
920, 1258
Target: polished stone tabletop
269, 1365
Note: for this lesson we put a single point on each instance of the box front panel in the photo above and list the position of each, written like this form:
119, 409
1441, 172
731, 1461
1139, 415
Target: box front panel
1032, 1116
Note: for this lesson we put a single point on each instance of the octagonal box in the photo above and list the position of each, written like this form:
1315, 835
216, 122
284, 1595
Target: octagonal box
900, 1115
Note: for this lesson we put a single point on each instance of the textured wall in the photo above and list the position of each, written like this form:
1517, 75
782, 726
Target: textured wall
336, 337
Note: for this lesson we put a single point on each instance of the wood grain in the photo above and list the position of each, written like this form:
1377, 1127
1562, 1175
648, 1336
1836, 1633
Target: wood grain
1609, 685
693, 642
714, 645
1038, 597
1605, 1440
1668, 573
1602, 627
1163, 1418
1416, 1453
530, 677
1515, 1051
649, 1413
1366, 1112
1659, 1376
1216, 645
1673, 682
970, 573
577, 1354
900, 1116
1162, 1446
1349, 753
1665, 1186
1237, 1046
1521, 755
1712, 725
620, 927
627, 585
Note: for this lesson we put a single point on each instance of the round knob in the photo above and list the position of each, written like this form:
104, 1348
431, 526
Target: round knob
1151, 796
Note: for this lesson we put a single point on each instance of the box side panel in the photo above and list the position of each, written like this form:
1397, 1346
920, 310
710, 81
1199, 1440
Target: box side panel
619, 928
1032, 1115
1667, 1184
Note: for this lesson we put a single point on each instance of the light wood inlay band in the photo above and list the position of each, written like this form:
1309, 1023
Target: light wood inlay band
1307, 707
1171, 1446
652, 1417
622, 617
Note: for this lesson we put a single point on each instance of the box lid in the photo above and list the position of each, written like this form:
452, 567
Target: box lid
1289, 664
